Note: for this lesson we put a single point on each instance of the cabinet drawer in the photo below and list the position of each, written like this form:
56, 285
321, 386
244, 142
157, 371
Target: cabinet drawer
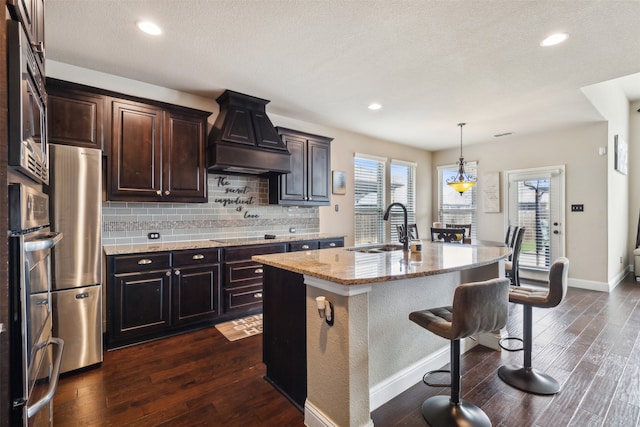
242, 297
243, 253
305, 245
142, 262
242, 273
196, 257
331, 243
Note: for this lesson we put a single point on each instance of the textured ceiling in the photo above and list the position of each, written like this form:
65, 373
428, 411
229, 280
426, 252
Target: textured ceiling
431, 64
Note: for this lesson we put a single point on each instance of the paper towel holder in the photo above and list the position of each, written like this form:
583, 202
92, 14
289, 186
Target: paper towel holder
325, 309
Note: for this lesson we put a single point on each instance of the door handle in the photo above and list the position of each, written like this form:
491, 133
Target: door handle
82, 295
53, 385
556, 232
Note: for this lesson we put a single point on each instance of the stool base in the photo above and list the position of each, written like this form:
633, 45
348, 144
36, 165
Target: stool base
529, 380
439, 411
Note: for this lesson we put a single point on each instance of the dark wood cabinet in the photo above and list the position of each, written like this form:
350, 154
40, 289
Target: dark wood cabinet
196, 289
243, 291
308, 183
31, 14
184, 176
157, 155
284, 350
75, 118
151, 295
138, 297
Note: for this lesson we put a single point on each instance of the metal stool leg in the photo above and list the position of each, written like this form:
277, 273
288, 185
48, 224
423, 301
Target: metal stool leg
527, 378
444, 411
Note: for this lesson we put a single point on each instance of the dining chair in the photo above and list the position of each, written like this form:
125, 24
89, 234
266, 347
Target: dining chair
447, 235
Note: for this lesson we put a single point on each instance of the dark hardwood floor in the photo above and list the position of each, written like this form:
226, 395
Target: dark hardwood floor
590, 343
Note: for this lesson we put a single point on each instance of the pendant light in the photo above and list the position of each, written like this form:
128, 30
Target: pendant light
462, 181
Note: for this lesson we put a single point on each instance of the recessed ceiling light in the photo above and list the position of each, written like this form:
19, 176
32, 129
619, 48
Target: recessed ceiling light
554, 39
149, 28
374, 106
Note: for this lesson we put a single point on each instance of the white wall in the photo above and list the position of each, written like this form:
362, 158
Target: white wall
634, 174
611, 102
586, 183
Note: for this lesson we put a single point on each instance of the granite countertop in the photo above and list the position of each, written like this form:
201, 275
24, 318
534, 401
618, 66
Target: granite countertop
212, 243
347, 266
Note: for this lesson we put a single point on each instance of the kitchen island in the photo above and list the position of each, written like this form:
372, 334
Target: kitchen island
372, 352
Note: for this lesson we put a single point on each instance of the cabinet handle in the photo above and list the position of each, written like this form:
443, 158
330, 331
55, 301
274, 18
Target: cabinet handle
159, 193
257, 295
145, 261
332, 244
199, 256
305, 246
168, 274
167, 192
177, 272
258, 271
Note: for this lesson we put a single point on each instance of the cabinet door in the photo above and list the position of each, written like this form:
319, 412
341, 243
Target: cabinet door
75, 118
136, 171
332, 243
184, 175
293, 186
31, 14
318, 172
305, 245
140, 307
195, 294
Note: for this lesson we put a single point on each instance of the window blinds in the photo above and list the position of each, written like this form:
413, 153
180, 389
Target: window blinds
369, 199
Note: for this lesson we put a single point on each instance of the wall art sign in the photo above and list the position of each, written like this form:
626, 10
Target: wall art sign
490, 185
621, 154
339, 182
237, 197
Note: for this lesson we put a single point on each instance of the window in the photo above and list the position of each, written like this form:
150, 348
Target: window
454, 208
371, 192
402, 188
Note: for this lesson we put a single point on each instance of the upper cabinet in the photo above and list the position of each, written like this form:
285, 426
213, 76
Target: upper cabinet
157, 154
75, 118
155, 151
31, 14
308, 183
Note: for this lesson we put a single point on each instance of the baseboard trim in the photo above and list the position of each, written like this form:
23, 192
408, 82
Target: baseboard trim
600, 286
314, 417
389, 388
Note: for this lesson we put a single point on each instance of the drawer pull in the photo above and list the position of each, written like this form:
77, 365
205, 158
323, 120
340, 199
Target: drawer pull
168, 274
258, 271
305, 246
177, 272
145, 261
257, 295
332, 244
199, 256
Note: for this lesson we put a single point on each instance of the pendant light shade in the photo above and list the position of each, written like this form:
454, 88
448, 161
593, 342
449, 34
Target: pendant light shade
462, 181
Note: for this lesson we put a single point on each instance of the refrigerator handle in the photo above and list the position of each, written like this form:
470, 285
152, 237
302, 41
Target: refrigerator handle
53, 385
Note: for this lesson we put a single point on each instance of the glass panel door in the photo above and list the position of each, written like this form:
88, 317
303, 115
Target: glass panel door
535, 201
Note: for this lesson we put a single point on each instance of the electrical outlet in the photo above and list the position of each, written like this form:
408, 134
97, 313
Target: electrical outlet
153, 236
292, 230
577, 208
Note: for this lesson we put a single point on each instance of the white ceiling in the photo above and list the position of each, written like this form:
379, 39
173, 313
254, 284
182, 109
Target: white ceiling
431, 64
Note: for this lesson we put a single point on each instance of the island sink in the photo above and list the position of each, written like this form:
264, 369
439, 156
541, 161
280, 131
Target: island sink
387, 247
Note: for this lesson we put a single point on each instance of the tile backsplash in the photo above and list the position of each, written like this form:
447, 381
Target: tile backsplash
238, 206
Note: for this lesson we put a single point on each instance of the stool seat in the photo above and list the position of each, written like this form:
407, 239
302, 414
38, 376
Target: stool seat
477, 308
525, 377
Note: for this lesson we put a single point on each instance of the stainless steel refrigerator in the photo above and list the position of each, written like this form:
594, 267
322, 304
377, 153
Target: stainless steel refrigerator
75, 195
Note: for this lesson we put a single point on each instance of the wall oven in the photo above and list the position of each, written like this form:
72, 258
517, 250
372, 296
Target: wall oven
27, 107
35, 366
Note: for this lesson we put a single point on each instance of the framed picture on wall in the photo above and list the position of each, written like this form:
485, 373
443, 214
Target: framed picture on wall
339, 182
620, 160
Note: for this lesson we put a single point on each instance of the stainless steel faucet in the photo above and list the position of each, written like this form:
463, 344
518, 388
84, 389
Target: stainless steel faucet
404, 238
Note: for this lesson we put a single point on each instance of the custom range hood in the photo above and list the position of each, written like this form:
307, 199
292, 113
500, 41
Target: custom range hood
243, 139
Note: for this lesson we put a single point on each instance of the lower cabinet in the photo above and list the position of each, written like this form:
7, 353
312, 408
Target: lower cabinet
242, 283
154, 294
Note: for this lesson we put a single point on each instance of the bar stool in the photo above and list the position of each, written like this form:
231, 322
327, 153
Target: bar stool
525, 377
477, 308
